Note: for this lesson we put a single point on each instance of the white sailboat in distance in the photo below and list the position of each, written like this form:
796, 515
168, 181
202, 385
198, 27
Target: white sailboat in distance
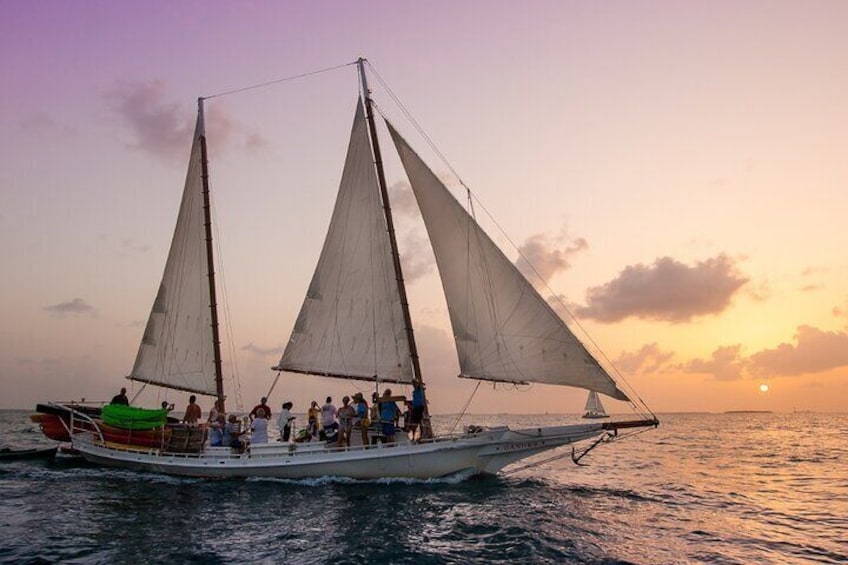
594, 407
355, 324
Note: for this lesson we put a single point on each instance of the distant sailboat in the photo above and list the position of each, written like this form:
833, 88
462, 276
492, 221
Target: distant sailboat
594, 407
354, 324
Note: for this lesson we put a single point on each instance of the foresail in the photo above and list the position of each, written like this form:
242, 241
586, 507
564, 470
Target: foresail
351, 322
176, 349
503, 329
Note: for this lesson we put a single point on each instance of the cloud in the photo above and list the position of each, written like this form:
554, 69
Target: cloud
160, 127
668, 291
648, 359
72, 308
811, 287
841, 311
814, 351
164, 128
403, 199
726, 364
129, 247
417, 259
262, 351
538, 254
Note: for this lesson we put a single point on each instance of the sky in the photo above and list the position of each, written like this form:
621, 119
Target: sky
675, 171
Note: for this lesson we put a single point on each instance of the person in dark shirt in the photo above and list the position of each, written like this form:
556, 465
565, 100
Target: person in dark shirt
262, 404
121, 398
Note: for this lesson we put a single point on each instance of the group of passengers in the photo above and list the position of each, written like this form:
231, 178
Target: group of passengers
327, 423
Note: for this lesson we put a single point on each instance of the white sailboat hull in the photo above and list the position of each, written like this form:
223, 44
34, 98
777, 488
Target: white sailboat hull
484, 453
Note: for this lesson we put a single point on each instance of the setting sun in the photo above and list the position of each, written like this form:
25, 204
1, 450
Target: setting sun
764, 387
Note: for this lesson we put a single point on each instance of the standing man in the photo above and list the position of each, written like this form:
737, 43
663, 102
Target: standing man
192, 411
416, 415
262, 404
121, 398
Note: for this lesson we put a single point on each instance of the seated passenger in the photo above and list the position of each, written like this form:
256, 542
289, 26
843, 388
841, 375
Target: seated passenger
216, 431
232, 433
260, 428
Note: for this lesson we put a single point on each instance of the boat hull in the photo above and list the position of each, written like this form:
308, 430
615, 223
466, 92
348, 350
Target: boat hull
484, 453
54, 420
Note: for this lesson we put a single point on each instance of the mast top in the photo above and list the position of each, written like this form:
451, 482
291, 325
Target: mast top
360, 63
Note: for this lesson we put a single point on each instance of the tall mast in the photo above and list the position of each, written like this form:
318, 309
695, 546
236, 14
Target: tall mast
207, 219
390, 227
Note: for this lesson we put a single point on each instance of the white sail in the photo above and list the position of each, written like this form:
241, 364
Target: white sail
503, 329
351, 322
594, 404
176, 349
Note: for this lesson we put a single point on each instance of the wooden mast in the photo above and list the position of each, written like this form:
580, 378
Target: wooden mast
390, 227
207, 218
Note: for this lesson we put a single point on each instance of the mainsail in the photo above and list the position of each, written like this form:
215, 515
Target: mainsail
503, 329
177, 348
351, 322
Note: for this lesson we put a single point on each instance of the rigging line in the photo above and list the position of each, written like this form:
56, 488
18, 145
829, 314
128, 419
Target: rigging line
414, 123
276, 81
464, 408
136, 395
228, 318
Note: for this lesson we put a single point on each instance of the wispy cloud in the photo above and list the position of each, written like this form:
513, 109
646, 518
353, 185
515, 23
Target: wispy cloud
667, 291
160, 127
648, 359
403, 199
262, 351
75, 307
417, 258
544, 257
841, 311
163, 127
726, 364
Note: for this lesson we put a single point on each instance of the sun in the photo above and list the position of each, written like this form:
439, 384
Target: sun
764, 387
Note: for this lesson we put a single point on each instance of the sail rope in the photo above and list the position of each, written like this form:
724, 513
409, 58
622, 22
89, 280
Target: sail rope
228, 318
277, 81
464, 408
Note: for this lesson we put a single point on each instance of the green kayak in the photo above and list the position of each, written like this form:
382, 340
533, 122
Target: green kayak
132, 418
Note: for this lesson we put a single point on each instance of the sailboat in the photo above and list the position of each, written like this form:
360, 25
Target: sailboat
355, 324
594, 407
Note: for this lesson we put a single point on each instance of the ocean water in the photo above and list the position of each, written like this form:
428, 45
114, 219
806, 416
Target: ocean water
702, 488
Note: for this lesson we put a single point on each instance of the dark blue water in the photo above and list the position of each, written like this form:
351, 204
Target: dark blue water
703, 488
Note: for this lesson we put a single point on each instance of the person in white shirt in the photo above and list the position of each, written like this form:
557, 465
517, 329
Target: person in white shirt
260, 428
328, 420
